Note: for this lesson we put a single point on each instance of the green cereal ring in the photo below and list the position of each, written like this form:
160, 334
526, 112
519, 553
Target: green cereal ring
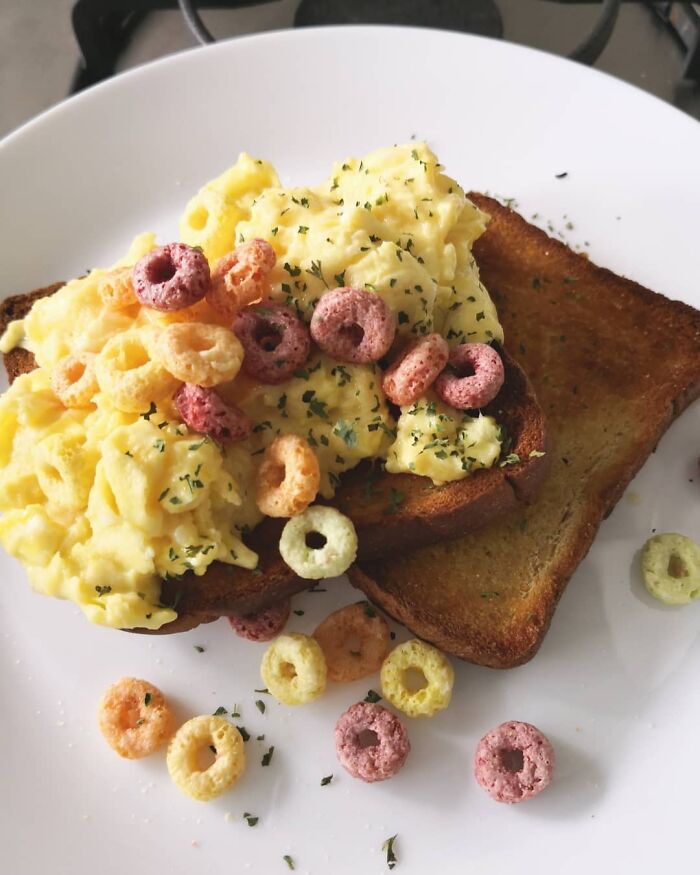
671, 568
337, 553
294, 669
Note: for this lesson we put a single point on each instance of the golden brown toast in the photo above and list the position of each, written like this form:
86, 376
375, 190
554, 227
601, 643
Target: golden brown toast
612, 364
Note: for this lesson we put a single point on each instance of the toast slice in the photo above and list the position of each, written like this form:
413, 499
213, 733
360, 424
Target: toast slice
391, 512
612, 364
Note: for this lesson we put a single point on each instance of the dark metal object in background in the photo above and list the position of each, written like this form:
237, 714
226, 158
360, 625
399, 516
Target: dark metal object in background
684, 21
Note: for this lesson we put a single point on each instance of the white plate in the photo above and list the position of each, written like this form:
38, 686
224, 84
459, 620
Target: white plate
615, 683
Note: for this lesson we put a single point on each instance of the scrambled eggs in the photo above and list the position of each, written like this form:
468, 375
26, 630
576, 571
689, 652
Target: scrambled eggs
100, 504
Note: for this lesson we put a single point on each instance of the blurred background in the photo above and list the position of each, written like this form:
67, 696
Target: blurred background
49, 48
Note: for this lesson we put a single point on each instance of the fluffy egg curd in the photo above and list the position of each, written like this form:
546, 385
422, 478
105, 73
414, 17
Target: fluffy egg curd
101, 503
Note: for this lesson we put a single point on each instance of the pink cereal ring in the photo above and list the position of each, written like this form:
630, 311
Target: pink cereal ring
514, 762
474, 376
264, 625
371, 742
275, 341
240, 278
204, 411
352, 325
416, 369
171, 277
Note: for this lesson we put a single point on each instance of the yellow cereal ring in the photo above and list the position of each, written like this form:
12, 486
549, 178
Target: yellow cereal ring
420, 657
74, 381
190, 742
354, 641
671, 568
337, 553
116, 289
126, 373
288, 477
294, 669
134, 718
195, 352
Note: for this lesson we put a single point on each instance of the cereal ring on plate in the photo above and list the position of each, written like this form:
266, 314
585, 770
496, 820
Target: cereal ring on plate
73, 379
288, 477
333, 558
134, 718
474, 376
422, 659
372, 743
416, 369
671, 568
241, 277
196, 352
171, 277
206, 412
514, 762
126, 372
191, 742
263, 625
116, 288
352, 325
275, 340
294, 670
354, 640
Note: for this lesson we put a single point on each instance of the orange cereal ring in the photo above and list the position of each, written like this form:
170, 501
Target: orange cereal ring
354, 640
116, 289
240, 277
195, 352
134, 718
288, 477
74, 381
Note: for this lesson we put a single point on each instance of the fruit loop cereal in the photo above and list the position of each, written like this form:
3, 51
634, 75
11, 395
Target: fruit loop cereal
514, 762
263, 626
241, 277
337, 553
134, 718
191, 742
74, 381
371, 742
353, 325
354, 641
196, 352
288, 477
116, 288
171, 277
294, 670
416, 369
204, 411
423, 659
275, 340
671, 568
482, 376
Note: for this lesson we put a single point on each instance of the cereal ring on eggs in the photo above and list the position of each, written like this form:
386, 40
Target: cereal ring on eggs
196, 352
134, 718
416, 369
514, 762
192, 740
671, 568
275, 340
73, 379
206, 412
353, 325
241, 277
482, 376
171, 277
421, 658
337, 553
264, 625
288, 477
294, 669
354, 640
116, 288
128, 375
372, 743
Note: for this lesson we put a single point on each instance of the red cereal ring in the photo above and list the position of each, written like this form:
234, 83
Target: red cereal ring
352, 325
204, 411
416, 369
514, 762
263, 626
275, 340
372, 743
473, 377
171, 277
